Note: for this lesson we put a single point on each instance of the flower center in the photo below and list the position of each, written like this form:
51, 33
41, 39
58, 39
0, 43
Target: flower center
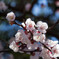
30, 25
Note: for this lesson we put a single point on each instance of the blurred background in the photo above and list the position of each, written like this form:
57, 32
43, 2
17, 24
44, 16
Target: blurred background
45, 10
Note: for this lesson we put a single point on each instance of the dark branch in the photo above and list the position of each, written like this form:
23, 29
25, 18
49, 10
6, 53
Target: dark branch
50, 28
34, 1
25, 29
5, 50
9, 50
45, 46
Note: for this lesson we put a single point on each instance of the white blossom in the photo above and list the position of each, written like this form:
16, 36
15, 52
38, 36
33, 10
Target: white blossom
40, 37
18, 36
49, 43
32, 46
23, 24
42, 26
45, 54
36, 32
14, 47
30, 24
55, 51
10, 16
21, 36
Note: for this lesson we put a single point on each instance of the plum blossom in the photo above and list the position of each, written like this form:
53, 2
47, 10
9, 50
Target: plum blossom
46, 54
32, 40
32, 46
18, 36
42, 26
13, 46
54, 46
49, 43
10, 16
21, 36
30, 24
40, 38
55, 51
23, 24
2, 6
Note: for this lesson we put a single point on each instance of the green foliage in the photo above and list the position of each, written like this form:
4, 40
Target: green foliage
20, 56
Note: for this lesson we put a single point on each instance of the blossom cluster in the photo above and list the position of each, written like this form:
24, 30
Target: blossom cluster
32, 40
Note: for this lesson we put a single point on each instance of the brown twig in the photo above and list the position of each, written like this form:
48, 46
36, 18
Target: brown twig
34, 1
5, 50
20, 25
9, 50
45, 46
24, 29
50, 32
50, 28
31, 51
36, 50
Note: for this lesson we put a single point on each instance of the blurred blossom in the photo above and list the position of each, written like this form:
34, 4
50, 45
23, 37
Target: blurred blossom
43, 2
47, 11
55, 17
36, 10
2, 6
27, 6
57, 3
13, 4
57, 14
42, 9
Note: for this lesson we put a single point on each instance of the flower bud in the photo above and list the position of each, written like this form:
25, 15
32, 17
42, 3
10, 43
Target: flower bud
10, 16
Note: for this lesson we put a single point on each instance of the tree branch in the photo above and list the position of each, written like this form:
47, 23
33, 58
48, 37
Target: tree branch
50, 28
45, 46
9, 50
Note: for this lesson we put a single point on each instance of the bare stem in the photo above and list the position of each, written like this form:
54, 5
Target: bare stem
45, 46
50, 28
25, 29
